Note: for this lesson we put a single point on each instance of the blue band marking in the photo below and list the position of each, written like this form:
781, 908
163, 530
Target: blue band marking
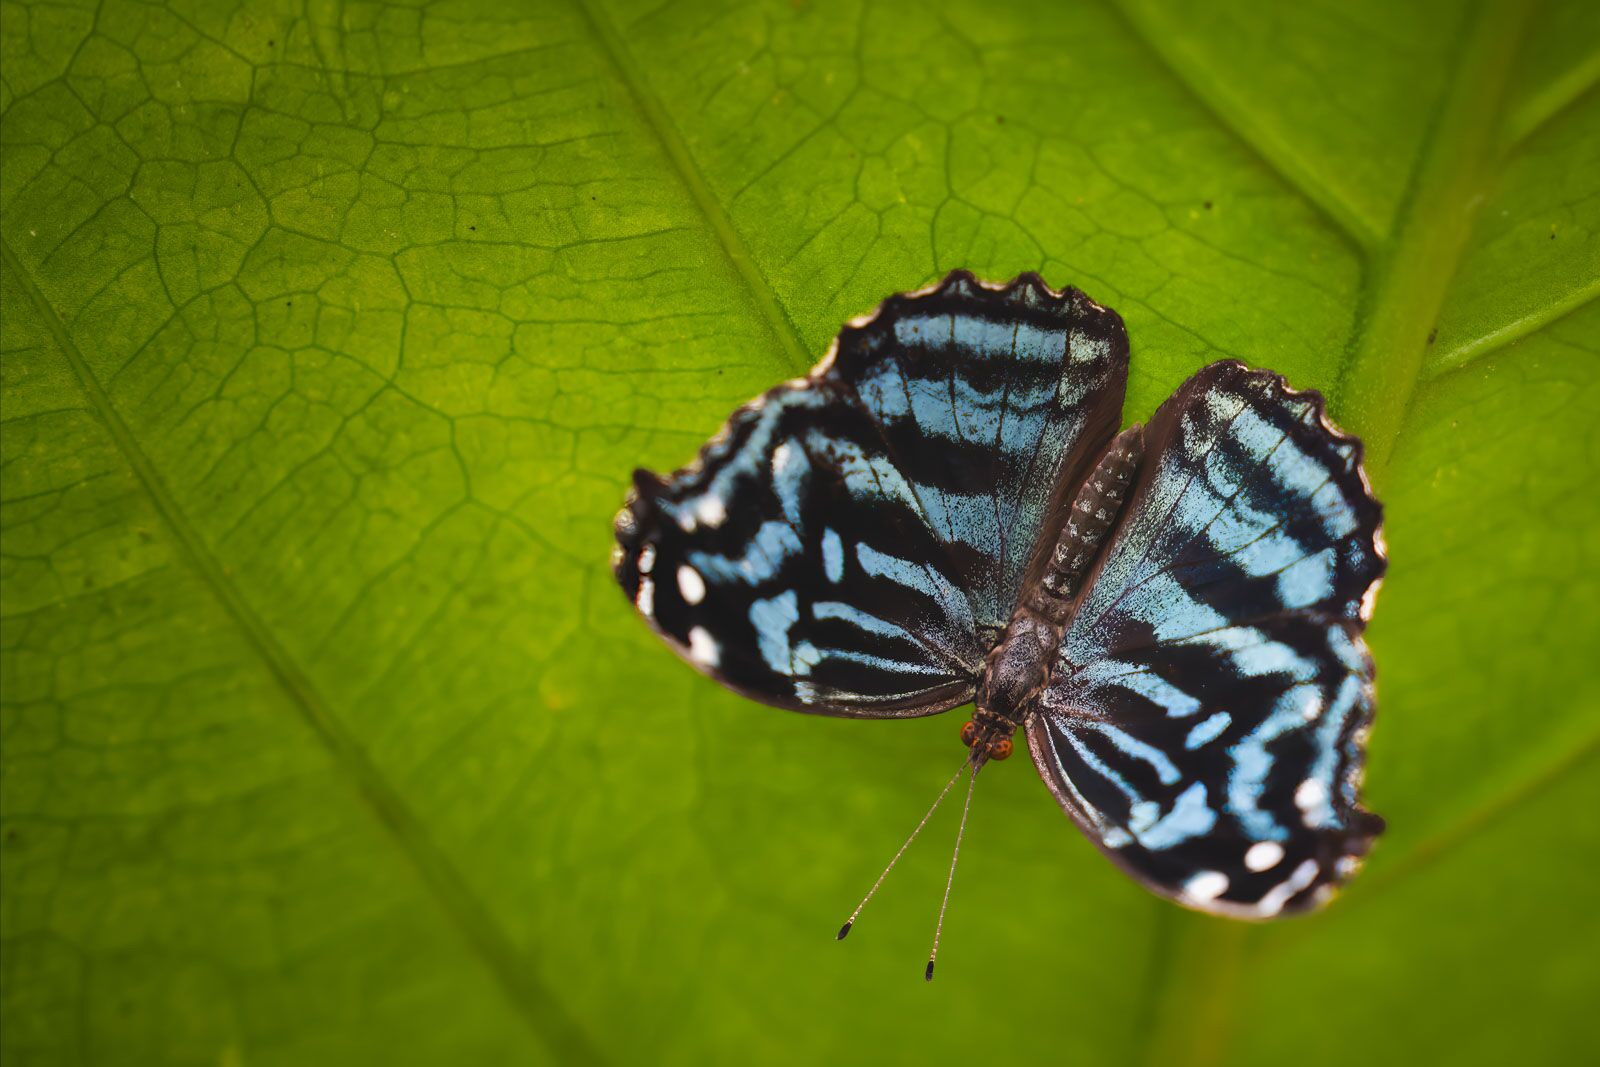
832, 556
1207, 731
1131, 746
1308, 581
772, 618
763, 556
1348, 699
833, 609
1100, 767
983, 337
924, 579
1190, 817
1252, 762
790, 466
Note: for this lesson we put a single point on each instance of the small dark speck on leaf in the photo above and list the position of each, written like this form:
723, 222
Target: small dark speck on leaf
1208, 205
474, 229
288, 303
1433, 334
271, 43
1001, 119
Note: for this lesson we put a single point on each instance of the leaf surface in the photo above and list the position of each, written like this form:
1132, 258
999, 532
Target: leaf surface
332, 331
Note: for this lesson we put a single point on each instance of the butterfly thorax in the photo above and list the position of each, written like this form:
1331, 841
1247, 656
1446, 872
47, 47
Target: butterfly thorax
1018, 667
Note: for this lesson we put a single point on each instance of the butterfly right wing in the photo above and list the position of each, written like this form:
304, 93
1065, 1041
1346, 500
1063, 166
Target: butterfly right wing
792, 562
1206, 721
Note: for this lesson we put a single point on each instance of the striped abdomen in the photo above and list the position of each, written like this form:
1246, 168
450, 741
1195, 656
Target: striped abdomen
1094, 512
1019, 665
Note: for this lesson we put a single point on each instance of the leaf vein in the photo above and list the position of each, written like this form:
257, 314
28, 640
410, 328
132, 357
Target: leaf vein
656, 118
535, 1003
1235, 116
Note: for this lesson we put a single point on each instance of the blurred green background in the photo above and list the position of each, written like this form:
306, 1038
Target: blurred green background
332, 329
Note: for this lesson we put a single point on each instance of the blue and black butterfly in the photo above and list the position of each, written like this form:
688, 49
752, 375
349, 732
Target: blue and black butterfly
943, 512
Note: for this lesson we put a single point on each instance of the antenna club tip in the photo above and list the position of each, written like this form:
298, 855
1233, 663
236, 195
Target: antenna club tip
927, 975
843, 930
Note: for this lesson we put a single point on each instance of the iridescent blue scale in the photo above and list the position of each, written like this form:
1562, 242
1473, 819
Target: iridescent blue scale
885, 538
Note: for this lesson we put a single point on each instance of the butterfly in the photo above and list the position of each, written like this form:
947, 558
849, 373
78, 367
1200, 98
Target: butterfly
944, 512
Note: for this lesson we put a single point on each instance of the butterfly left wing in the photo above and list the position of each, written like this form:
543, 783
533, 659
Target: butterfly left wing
851, 542
792, 563
1212, 696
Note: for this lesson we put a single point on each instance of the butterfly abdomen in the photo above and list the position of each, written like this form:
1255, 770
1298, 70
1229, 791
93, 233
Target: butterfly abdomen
1090, 519
1018, 668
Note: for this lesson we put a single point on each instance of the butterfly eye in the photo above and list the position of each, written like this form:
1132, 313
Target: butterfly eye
969, 734
1000, 749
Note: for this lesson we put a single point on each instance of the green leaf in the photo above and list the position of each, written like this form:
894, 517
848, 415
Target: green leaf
331, 332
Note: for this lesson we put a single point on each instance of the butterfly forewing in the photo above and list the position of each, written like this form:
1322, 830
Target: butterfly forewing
992, 402
1206, 717
850, 542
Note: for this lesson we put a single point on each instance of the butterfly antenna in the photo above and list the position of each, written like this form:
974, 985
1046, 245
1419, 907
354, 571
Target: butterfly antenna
848, 923
955, 854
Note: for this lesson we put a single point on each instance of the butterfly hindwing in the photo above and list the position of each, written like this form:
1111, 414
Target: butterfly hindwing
1205, 721
850, 542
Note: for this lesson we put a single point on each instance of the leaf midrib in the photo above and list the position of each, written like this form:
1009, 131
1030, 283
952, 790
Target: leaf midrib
1366, 236
1407, 279
533, 1002
1234, 115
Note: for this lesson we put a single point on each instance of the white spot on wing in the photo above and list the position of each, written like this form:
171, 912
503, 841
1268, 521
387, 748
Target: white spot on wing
711, 511
1279, 895
1263, 856
691, 585
647, 559
646, 598
1116, 837
703, 648
1369, 599
1311, 794
1206, 886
